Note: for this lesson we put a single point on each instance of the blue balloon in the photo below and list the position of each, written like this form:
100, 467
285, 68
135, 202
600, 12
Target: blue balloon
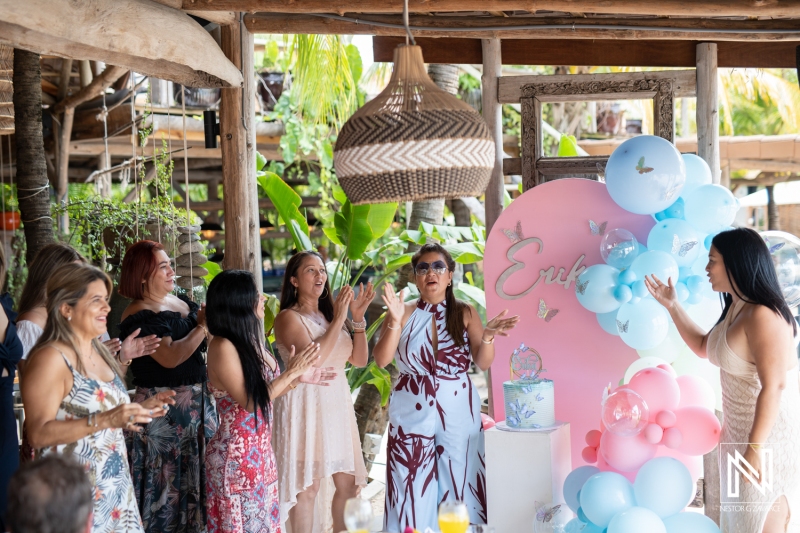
697, 173
643, 325
623, 294
607, 321
694, 298
605, 495
663, 485
642, 248
640, 289
661, 215
655, 262
684, 272
635, 300
675, 210
595, 288
710, 208
637, 520
626, 277
690, 522
677, 238
710, 237
682, 290
645, 174
574, 526
575, 480
582, 516
695, 284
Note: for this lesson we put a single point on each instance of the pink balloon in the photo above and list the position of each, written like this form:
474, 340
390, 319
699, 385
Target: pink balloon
589, 454
666, 419
488, 421
658, 388
653, 433
626, 454
593, 438
605, 467
700, 428
693, 462
673, 438
695, 391
668, 368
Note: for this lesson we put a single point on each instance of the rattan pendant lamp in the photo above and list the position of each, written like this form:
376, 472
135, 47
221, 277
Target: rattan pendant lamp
413, 141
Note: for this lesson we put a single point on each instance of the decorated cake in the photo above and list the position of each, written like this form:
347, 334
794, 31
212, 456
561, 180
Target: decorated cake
529, 399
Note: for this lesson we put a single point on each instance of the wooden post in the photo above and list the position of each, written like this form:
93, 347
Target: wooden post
237, 135
708, 108
492, 113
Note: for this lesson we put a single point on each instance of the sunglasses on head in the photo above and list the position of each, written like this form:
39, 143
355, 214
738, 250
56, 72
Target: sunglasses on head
438, 267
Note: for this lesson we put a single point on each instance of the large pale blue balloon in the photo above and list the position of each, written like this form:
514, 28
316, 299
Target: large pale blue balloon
595, 288
619, 248
697, 173
690, 522
574, 483
643, 325
784, 248
645, 174
605, 495
663, 485
677, 238
710, 208
637, 520
608, 321
655, 262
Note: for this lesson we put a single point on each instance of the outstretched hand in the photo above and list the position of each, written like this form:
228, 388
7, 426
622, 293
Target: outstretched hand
665, 294
359, 304
395, 308
499, 324
318, 376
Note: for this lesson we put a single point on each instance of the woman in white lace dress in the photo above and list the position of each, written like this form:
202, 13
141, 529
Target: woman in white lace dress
753, 345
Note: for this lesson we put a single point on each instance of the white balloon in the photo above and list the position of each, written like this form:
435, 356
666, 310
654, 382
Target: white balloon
641, 364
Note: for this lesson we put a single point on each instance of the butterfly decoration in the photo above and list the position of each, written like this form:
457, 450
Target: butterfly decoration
514, 235
544, 312
775, 247
682, 248
580, 288
539, 397
623, 328
597, 230
546, 513
519, 410
527, 389
641, 168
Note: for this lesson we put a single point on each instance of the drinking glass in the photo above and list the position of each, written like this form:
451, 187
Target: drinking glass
357, 515
453, 517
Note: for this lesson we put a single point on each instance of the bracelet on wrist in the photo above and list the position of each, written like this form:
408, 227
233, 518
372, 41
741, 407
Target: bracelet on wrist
359, 330
390, 327
121, 362
755, 446
490, 341
362, 324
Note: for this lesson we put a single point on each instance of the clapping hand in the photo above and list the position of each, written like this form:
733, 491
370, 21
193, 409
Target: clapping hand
395, 308
133, 347
318, 376
342, 303
359, 304
159, 403
298, 364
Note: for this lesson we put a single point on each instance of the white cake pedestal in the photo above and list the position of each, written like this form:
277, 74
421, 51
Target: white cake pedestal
523, 468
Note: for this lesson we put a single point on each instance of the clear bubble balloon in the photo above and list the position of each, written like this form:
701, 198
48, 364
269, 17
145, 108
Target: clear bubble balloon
619, 248
710, 208
784, 248
552, 518
625, 413
645, 174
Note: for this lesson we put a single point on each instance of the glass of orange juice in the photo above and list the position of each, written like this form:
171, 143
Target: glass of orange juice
453, 517
358, 515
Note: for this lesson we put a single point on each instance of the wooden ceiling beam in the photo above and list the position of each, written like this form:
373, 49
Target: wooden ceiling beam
584, 52
185, 54
509, 27
698, 8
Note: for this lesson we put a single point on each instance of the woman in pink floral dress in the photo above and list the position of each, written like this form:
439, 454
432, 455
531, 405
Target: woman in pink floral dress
241, 475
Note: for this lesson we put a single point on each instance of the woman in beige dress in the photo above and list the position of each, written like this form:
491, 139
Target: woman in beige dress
753, 344
315, 435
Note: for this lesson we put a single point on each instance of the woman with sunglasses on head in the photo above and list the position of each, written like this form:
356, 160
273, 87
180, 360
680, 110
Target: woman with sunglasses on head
435, 449
315, 435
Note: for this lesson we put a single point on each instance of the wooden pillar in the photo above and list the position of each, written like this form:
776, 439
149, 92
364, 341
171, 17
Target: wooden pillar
708, 107
492, 113
238, 143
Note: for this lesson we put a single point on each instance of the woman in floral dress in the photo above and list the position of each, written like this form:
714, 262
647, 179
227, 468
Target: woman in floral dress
435, 449
75, 401
242, 478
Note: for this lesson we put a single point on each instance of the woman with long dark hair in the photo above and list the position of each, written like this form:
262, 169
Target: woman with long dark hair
753, 344
242, 477
316, 435
435, 449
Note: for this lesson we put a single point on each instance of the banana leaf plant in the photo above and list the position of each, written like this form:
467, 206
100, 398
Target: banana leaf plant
286, 201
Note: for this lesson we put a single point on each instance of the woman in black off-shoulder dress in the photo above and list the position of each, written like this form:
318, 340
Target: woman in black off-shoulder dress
167, 458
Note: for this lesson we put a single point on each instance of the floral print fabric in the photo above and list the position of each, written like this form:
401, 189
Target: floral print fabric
102, 453
167, 464
436, 447
242, 477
